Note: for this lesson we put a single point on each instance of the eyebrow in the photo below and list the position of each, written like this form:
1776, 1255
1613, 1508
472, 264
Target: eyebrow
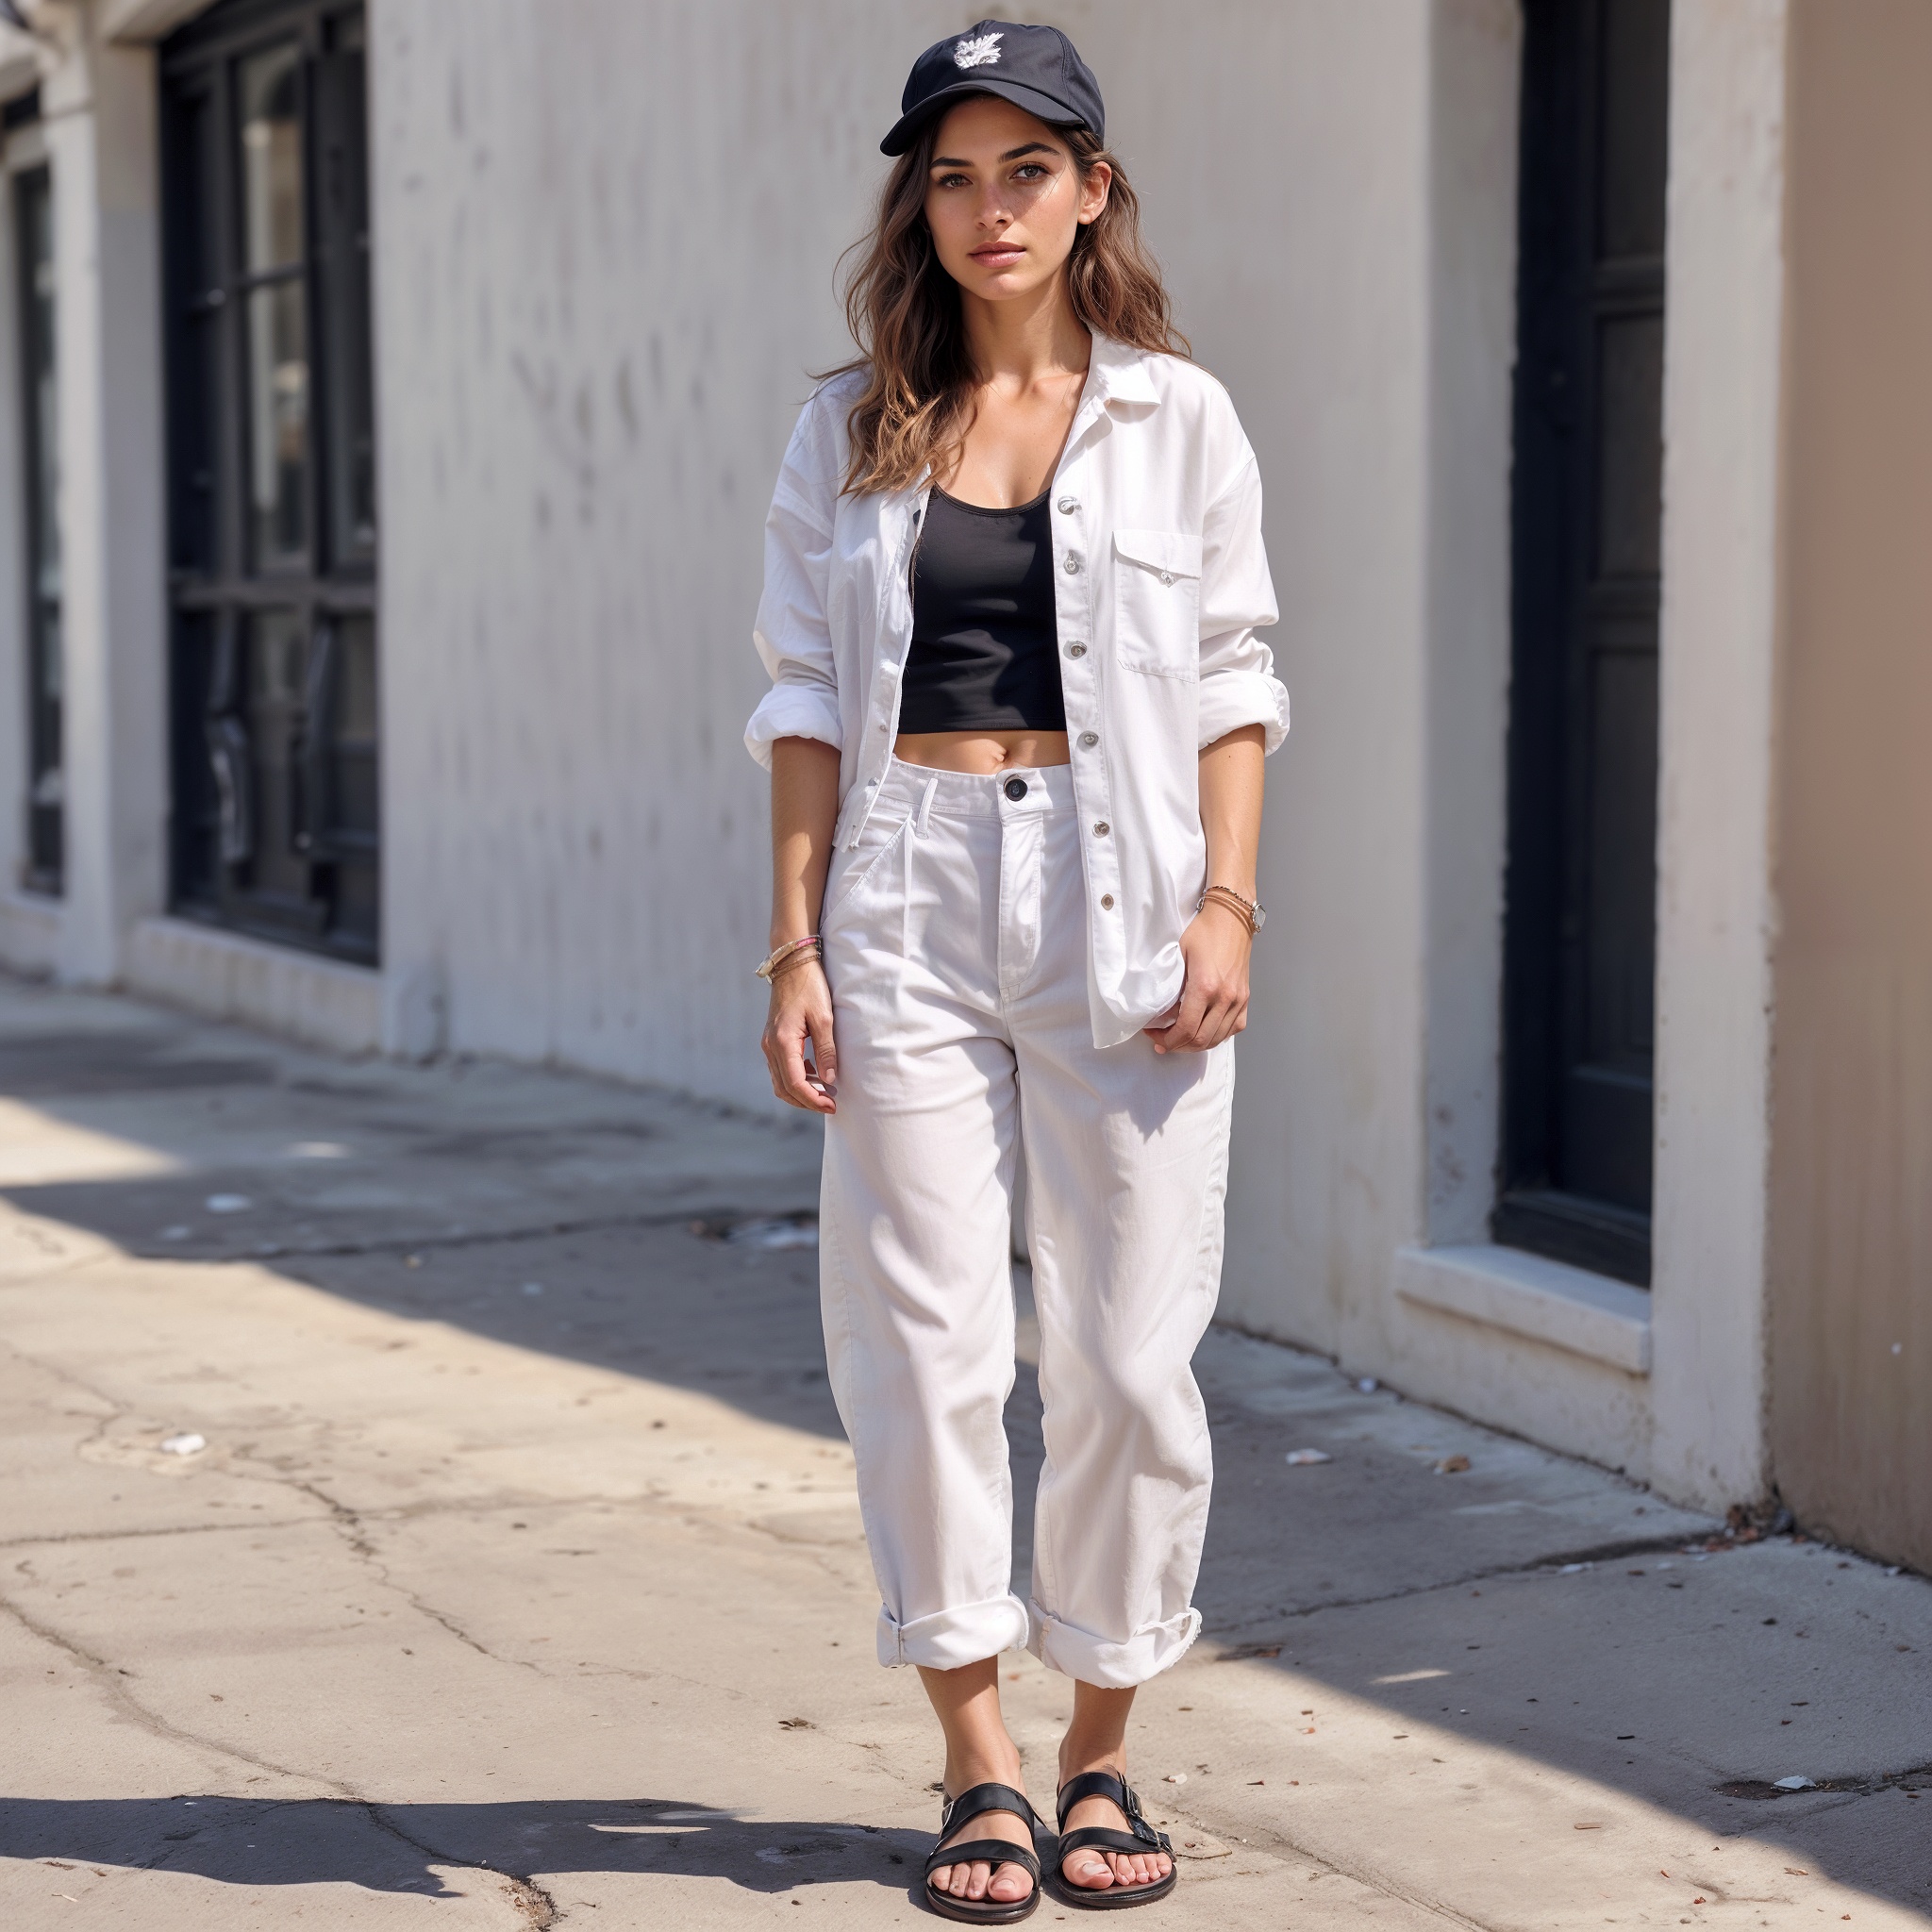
1012, 154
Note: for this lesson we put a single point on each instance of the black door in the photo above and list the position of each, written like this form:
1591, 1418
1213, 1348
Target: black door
272, 473
1581, 939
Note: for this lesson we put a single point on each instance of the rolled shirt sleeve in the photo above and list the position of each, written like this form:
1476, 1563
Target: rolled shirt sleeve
1237, 682
793, 634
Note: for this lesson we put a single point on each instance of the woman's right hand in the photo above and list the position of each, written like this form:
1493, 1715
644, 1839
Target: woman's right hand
802, 1012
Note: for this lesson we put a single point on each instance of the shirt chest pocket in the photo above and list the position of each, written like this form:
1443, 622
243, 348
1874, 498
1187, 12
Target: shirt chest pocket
1157, 589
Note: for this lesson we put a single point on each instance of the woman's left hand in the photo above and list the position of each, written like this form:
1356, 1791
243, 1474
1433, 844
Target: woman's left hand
1213, 1005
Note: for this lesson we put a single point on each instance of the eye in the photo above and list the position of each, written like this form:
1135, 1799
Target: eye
1030, 171
951, 181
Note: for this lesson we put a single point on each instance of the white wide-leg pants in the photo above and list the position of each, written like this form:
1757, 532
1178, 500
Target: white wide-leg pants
955, 939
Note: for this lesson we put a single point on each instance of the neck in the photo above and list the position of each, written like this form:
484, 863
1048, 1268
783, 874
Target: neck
1031, 336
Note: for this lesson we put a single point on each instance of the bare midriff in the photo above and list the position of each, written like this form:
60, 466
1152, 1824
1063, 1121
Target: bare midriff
982, 753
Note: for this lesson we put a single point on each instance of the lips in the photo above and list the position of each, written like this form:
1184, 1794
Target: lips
998, 256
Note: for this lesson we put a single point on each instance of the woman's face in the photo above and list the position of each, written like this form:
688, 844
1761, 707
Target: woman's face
1003, 198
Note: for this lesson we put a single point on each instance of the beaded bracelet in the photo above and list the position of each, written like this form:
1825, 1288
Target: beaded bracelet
1249, 910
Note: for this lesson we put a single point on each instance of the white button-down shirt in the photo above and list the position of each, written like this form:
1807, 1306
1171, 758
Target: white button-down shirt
1160, 582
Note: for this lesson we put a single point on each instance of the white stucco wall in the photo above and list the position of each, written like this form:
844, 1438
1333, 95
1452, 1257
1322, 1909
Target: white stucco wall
606, 236
1722, 380
99, 104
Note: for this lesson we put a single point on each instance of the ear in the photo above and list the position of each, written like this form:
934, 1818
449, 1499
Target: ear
1093, 192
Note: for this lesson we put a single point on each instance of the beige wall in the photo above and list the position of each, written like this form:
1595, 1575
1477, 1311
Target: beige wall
1852, 1147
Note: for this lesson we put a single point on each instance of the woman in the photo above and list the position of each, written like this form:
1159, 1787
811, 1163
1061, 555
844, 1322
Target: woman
1015, 733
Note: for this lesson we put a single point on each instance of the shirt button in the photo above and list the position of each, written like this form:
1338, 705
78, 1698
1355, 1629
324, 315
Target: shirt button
1106, 902
1101, 828
1067, 506
1090, 738
1076, 650
1071, 566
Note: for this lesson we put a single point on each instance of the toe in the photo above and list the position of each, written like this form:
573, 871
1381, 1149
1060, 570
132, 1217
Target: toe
976, 1886
1089, 1870
1010, 1885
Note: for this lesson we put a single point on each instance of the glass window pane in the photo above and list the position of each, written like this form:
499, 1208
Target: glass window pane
278, 420
355, 694
272, 187
46, 802
37, 242
352, 748
277, 667
34, 233
343, 255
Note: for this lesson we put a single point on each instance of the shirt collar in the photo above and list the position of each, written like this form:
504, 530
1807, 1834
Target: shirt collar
1121, 374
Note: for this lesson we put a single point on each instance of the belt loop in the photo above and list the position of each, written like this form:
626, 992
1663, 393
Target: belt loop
922, 823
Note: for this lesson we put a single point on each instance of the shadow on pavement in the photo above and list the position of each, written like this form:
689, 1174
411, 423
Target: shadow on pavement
413, 1847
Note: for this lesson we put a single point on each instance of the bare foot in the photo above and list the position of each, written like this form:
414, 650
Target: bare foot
1097, 1870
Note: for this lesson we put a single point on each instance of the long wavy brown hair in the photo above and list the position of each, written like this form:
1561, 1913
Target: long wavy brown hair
904, 312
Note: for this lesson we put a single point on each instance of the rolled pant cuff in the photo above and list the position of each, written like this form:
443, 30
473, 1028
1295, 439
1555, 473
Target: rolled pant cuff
1090, 1659
948, 1639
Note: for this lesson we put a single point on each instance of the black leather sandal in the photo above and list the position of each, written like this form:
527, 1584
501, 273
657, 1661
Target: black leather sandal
955, 1812
1140, 1837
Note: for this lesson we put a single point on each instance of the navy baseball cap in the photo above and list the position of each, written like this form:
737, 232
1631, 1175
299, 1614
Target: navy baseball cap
1034, 67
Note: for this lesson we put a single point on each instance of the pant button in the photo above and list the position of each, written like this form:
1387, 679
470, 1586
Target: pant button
1016, 788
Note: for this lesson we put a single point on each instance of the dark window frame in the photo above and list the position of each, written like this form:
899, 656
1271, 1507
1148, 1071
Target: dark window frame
274, 822
1574, 1172
31, 196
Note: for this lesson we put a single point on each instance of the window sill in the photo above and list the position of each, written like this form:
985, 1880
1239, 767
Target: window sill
1521, 1293
281, 989
30, 928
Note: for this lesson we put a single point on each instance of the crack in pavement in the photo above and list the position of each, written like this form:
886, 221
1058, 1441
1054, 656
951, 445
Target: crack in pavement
536, 1906
54, 1539
480, 1237
109, 1679
349, 1524
1281, 1843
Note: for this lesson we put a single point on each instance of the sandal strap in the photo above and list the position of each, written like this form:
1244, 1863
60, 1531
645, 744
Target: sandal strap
1091, 1838
990, 1851
1104, 1784
955, 1812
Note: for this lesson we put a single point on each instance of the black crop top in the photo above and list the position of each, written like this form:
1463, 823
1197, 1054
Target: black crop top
985, 640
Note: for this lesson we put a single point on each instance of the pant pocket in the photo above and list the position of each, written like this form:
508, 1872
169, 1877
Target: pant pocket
851, 868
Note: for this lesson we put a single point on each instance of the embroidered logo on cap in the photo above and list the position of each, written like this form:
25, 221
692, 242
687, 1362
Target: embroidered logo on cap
984, 52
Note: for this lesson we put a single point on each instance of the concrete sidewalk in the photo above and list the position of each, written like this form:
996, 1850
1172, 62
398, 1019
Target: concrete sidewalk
519, 1580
